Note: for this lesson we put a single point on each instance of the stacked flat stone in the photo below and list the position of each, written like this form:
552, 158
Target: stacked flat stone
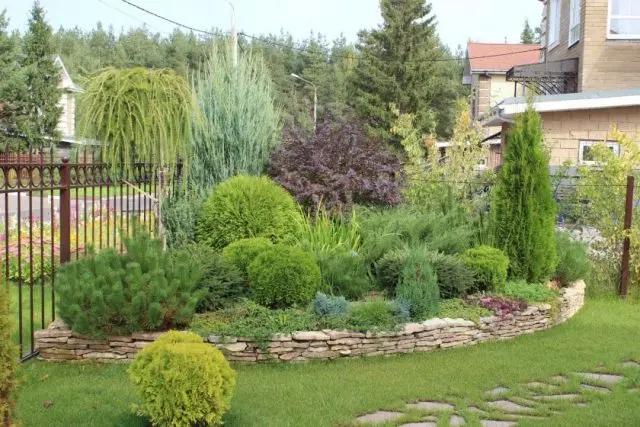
59, 343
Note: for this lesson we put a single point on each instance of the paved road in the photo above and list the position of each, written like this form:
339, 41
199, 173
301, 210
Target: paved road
20, 203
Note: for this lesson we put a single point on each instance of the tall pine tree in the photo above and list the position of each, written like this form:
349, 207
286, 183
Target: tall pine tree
527, 36
42, 77
401, 63
13, 90
523, 209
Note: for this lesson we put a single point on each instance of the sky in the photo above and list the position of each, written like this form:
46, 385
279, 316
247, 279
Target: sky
458, 20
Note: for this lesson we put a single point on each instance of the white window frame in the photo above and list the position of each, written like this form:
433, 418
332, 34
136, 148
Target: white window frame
555, 17
575, 18
610, 16
589, 143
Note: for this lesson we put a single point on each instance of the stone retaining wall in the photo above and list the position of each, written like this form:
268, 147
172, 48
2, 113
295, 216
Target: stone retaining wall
59, 343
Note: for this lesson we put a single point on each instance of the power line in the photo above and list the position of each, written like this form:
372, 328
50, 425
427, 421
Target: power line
167, 19
130, 16
274, 43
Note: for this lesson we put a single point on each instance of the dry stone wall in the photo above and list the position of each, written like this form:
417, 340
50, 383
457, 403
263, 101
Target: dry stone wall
58, 342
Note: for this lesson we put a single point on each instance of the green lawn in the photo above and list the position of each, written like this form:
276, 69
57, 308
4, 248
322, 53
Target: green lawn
602, 335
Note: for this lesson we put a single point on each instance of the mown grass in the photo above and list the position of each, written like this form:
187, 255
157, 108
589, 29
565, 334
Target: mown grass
603, 334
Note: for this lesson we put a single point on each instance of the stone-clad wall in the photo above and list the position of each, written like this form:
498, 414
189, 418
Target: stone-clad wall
59, 343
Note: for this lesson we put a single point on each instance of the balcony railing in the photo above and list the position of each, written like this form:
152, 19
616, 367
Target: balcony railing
547, 78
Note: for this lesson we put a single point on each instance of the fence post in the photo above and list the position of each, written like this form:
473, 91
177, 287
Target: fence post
628, 212
65, 211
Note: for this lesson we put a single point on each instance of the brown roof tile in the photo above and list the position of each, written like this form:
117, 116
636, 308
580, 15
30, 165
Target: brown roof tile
501, 57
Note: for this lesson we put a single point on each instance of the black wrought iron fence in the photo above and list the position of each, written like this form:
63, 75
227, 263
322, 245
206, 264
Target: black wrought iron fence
51, 211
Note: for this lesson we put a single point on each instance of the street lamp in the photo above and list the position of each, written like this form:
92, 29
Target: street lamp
315, 99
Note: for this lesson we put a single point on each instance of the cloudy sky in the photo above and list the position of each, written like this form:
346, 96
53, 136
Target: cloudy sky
458, 20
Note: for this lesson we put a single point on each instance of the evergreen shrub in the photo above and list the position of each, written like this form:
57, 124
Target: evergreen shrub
247, 206
573, 260
344, 273
221, 283
523, 209
182, 381
144, 289
328, 305
282, 276
419, 288
242, 252
490, 266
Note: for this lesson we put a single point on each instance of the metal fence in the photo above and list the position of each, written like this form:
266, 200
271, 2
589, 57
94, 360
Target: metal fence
51, 212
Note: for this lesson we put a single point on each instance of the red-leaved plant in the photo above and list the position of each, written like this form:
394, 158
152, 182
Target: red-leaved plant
337, 166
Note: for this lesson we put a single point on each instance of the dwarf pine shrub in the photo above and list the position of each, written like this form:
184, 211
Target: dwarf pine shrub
144, 289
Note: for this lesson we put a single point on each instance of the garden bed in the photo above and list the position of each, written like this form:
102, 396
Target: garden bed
58, 343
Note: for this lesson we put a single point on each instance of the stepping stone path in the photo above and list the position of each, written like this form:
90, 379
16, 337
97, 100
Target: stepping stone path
594, 388
539, 397
508, 406
379, 417
557, 397
498, 390
537, 384
605, 378
422, 424
456, 421
431, 406
493, 423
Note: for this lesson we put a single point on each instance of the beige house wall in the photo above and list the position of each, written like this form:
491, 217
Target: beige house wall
604, 64
563, 131
562, 50
607, 64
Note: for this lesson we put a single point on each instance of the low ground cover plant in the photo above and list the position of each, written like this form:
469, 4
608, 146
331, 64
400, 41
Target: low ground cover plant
529, 292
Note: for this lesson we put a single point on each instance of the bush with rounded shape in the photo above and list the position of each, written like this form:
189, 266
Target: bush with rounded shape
182, 381
573, 261
242, 252
389, 268
455, 279
490, 266
282, 276
247, 206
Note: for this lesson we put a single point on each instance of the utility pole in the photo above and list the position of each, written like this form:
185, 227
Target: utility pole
234, 35
315, 99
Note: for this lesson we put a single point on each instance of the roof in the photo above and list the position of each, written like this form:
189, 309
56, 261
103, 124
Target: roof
66, 81
501, 57
504, 111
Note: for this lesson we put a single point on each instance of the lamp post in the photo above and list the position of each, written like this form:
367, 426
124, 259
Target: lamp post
315, 99
234, 35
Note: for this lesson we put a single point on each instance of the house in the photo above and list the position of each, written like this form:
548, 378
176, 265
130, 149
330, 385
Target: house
485, 71
588, 77
67, 123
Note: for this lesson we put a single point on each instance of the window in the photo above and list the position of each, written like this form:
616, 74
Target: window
624, 19
585, 157
554, 23
574, 22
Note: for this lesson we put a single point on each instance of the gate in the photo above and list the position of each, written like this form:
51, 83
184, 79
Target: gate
51, 211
